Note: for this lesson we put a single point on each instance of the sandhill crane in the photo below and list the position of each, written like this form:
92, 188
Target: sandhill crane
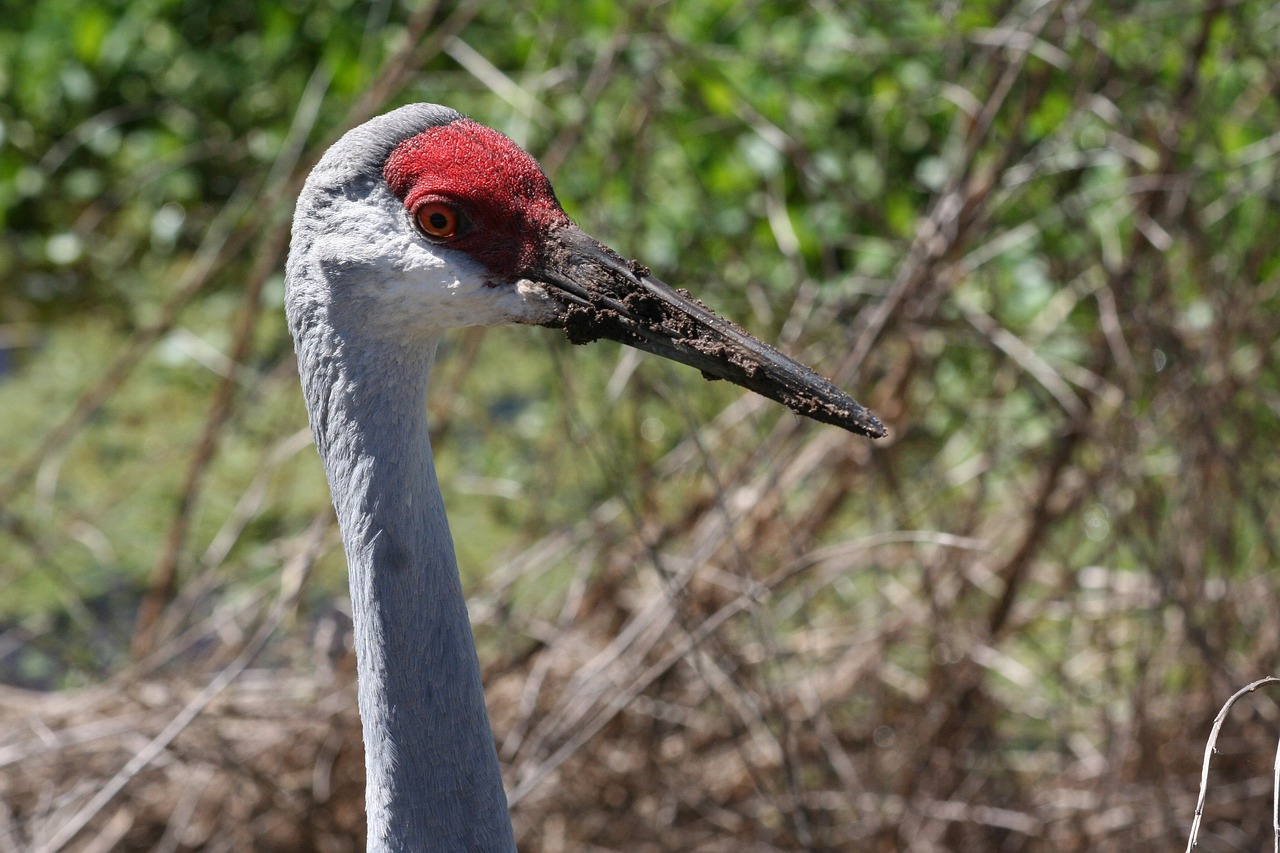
416, 222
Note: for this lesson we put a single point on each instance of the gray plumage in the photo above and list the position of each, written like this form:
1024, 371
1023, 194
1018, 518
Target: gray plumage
465, 231
433, 779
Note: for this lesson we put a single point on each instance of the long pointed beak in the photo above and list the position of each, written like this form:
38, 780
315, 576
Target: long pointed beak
604, 296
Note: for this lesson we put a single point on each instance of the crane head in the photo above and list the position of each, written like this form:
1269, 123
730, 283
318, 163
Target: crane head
423, 219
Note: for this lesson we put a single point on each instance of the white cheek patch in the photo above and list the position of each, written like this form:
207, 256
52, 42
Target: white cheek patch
539, 305
405, 287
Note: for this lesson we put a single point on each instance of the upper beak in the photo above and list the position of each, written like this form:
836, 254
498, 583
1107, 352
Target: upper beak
604, 296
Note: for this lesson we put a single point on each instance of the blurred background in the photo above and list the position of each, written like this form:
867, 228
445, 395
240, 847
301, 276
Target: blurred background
1038, 238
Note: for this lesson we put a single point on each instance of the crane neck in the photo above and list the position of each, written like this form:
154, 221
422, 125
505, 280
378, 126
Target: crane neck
433, 779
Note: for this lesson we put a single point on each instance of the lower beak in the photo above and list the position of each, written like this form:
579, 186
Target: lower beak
604, 296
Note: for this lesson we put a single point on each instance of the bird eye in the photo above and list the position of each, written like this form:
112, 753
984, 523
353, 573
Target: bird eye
438, 220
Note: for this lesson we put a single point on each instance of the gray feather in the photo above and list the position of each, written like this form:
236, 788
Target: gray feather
433, 776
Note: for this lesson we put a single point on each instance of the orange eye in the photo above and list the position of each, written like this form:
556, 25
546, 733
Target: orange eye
438, 220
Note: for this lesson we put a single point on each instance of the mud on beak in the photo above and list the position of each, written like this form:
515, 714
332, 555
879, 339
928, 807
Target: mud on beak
604, 296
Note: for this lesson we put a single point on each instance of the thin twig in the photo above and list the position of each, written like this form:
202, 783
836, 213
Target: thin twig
1211, 748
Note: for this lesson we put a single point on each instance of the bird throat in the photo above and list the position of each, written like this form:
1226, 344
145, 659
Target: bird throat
420, 692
